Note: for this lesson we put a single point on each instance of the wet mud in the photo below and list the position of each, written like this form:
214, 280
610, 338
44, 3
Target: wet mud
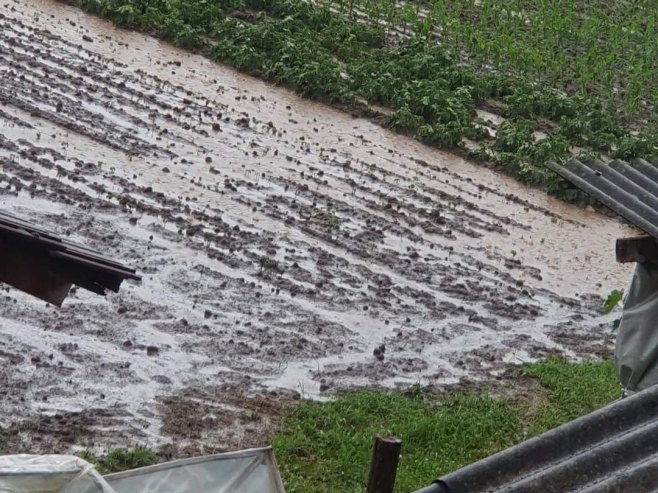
285, 247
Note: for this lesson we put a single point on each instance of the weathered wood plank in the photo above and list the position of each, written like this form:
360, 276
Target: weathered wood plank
638, 249
384, 464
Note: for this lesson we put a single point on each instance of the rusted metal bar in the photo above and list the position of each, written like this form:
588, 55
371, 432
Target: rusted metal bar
384, 464
638, 249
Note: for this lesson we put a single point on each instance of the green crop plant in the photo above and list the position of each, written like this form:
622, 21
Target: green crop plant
120, 459
580, 71
614, 298
514, 136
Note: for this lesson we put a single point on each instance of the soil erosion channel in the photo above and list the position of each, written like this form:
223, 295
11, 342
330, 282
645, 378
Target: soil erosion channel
281, 243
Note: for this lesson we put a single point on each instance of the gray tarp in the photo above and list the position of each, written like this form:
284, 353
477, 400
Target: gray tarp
636, 352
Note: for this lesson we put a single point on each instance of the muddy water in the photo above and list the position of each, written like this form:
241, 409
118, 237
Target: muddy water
195, 174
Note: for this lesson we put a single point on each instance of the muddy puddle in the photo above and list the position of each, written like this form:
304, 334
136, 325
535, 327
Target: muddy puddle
281, 243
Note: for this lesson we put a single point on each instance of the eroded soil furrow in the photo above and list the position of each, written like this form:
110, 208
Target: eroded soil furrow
280, 243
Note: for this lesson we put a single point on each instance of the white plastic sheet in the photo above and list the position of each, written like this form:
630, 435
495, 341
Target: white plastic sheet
49, 474
636, 351
246, 471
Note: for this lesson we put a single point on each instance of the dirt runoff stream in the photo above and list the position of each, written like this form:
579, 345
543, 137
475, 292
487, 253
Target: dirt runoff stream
286, 249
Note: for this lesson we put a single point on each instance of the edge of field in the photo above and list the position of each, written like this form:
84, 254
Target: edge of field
412, 85
325, 446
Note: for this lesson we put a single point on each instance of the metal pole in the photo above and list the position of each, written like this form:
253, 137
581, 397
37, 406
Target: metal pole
384, 464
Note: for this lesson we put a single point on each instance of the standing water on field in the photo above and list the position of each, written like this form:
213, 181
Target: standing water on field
284, 246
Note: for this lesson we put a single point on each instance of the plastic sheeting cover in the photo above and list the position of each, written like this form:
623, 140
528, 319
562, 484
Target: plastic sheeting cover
636, 352
246, 471
49, 474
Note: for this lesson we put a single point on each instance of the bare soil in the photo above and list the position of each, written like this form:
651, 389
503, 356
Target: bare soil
280, 242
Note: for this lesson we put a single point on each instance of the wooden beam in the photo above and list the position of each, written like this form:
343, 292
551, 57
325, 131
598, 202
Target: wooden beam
384, 464
638, 249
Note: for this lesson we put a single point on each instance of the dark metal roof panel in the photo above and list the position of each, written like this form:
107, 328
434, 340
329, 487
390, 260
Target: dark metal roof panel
45, 265
629, 189
13, 225
612, 449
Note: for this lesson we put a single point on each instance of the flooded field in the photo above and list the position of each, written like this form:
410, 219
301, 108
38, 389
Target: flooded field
286, 249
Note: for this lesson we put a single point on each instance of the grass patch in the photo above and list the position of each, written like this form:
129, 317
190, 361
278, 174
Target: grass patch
325, 447
120, 459
543, 66
573, 389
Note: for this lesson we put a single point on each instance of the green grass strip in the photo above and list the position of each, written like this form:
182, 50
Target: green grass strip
325, 447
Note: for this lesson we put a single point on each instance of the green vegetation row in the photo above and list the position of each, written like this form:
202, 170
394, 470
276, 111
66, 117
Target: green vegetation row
325, 447
549, 66
607, 49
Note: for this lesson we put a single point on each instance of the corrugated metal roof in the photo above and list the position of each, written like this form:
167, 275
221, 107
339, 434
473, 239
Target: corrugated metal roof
613, 449
45, 265
629, 189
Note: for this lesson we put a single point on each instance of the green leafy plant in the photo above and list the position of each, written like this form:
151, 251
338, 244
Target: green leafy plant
120, 459
613, 299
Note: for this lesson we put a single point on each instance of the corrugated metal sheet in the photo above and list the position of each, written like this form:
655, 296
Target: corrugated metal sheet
629, 189
614, 449
45, 265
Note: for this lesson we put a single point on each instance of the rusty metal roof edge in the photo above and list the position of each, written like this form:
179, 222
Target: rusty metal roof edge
57, 244
72, 262
19, 228
574, 443
127, 273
